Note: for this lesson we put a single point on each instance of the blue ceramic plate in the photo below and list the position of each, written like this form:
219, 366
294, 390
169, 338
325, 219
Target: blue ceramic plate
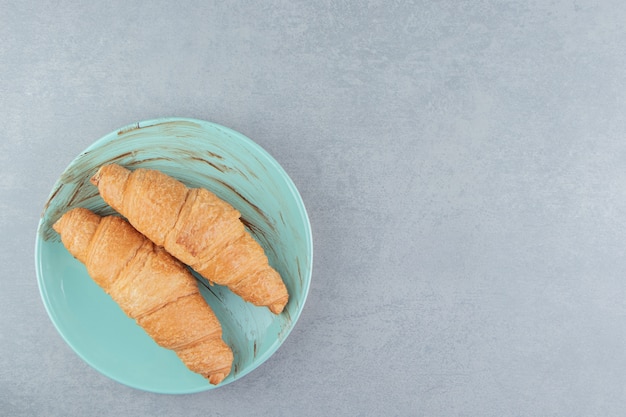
201, 154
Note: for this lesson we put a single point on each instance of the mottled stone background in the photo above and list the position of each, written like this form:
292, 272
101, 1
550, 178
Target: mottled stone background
464, 168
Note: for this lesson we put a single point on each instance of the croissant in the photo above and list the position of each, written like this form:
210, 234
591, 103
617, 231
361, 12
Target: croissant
197, 227
151, 287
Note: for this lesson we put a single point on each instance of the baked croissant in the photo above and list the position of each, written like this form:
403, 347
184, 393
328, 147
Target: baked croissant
151, 287
197, 227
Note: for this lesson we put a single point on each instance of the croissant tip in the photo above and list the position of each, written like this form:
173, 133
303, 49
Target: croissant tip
276, 308
216, 378
95, 180
56, 226
59, 225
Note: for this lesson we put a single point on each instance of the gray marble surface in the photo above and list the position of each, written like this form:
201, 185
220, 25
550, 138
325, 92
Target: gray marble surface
464, 168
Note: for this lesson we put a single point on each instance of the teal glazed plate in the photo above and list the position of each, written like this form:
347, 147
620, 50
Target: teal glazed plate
200, 154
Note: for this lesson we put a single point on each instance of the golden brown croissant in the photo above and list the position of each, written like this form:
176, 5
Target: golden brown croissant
151, 287
197, 227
